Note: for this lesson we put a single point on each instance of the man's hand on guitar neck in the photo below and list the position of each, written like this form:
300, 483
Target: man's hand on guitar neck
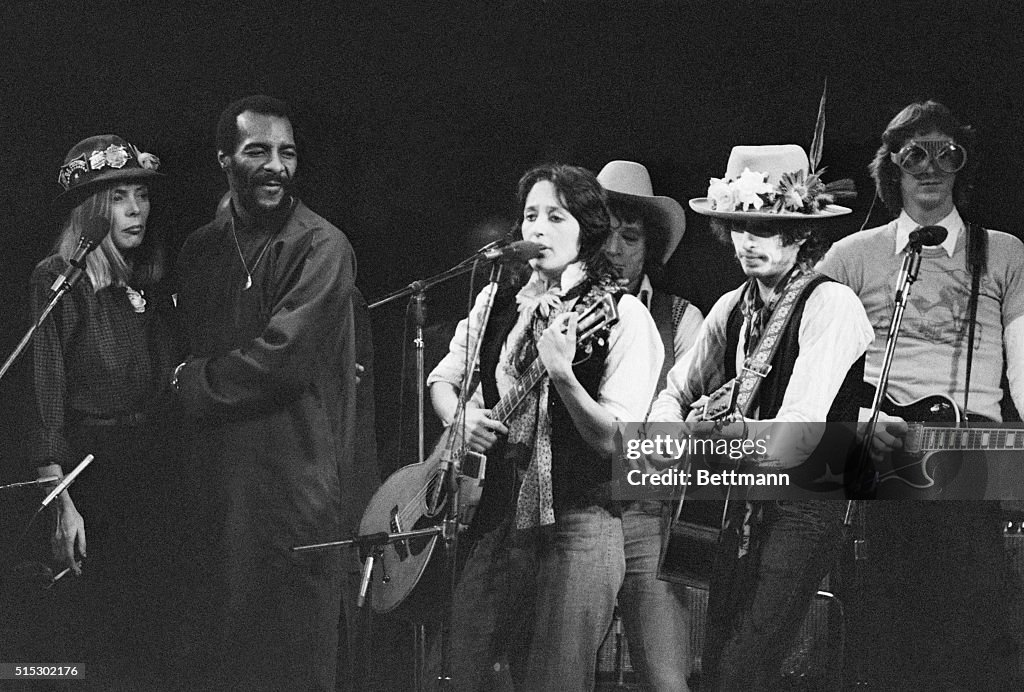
889, 434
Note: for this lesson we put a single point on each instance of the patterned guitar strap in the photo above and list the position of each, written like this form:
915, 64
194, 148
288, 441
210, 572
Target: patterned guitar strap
767, 334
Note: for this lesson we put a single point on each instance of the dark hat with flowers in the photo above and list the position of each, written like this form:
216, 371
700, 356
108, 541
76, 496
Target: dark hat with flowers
98, 161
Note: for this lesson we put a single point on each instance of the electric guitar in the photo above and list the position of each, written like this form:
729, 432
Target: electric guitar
406, 500
934, 461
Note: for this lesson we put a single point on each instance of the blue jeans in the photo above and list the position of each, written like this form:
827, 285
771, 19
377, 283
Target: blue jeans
653, 611
798, 542
541, 598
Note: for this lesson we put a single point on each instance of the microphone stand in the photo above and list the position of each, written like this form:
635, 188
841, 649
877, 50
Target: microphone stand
59, 289
449, 469
866, 477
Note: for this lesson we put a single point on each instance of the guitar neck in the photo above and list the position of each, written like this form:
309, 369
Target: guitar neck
937, 439
504, 408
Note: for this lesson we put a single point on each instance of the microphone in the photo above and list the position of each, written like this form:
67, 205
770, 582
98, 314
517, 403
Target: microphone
68, 480
521, 250
96, 229
927, 236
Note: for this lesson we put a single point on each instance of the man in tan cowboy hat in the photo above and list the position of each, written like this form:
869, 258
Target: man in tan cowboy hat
645, 231
806, 336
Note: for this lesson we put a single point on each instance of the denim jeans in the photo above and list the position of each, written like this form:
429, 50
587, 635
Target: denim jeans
797, 547
653, 611
541, 598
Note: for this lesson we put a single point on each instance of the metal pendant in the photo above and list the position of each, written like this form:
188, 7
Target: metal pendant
248, 282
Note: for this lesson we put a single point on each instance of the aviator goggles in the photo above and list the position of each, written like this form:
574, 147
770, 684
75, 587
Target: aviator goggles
948, 156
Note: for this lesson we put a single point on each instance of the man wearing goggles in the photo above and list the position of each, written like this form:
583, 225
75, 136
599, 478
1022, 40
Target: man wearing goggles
938, 619
942, 152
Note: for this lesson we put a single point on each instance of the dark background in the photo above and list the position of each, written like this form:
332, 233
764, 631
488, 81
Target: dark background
417, 118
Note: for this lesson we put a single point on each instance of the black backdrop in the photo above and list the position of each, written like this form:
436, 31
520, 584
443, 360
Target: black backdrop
417, 118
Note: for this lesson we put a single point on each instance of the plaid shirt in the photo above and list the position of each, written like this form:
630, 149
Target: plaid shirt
95, 357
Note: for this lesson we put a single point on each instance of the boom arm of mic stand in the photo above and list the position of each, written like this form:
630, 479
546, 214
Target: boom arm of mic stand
422, 285
907, 277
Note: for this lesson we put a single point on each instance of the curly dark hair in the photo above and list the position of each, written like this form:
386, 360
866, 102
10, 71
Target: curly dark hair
917, 119
584, 198
655, 226
812, 231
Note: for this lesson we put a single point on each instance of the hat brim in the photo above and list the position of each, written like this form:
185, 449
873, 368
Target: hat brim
702, 205
673, 212
72, 197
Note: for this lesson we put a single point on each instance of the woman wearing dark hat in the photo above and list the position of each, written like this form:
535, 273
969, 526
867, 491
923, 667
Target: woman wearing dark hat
100, 363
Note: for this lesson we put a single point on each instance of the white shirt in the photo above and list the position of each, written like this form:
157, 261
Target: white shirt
689, 324
905, 225
834, 332
631, 368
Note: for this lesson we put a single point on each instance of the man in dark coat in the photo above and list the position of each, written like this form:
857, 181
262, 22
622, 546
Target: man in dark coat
266, 297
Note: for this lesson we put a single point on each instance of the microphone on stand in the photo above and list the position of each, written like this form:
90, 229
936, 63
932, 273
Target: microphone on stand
927, 236
521, 250
96, 229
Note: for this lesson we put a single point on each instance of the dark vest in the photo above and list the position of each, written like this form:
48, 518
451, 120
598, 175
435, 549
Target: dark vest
836, 445
577, 472
666, 310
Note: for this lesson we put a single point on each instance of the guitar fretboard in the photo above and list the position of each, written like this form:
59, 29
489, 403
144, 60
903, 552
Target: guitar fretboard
989, 439
513, 397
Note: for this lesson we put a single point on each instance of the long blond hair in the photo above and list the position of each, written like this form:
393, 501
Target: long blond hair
106, 266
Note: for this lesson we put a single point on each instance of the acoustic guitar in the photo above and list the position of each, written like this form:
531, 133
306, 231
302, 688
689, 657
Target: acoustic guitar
405, 501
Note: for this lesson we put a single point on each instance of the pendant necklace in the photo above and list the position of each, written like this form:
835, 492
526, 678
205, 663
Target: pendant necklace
248, 272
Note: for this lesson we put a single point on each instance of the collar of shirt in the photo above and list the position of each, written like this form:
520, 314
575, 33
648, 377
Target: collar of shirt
646, 292
537, 287
906, 225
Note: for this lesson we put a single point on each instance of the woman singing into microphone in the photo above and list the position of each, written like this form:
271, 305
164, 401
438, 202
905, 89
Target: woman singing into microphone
101, 362
539, 585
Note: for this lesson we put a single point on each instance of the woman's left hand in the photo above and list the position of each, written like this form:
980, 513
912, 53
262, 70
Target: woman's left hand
557, 346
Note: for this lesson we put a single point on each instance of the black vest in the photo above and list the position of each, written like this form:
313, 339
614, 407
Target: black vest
836, 446
577, 471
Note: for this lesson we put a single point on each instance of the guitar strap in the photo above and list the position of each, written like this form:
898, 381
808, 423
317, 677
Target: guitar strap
758, 364
977, 256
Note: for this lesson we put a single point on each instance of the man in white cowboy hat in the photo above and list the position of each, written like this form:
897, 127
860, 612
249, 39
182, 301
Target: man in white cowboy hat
800, 339
955, 344
645, 231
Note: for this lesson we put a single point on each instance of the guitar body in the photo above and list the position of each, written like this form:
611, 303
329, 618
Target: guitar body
690, 547
401, 504
922, 472
397, 571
